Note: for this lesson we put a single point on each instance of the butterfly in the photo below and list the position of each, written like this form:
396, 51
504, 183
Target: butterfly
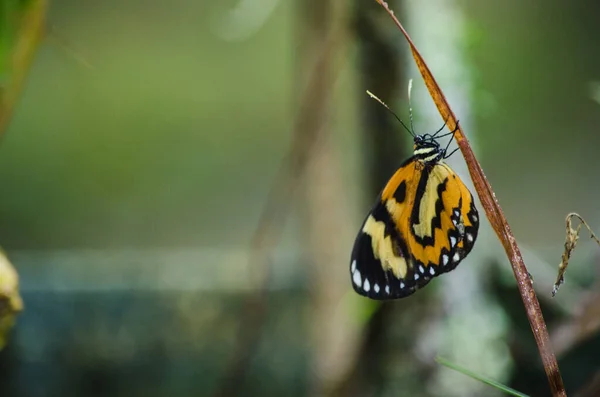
423, 224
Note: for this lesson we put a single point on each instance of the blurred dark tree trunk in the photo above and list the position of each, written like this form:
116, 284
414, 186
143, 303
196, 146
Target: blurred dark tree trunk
379, 71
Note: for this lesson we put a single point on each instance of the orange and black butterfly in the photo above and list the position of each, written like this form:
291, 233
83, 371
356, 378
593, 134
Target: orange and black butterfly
423, 224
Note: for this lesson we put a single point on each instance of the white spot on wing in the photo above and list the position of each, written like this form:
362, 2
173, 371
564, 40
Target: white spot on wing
432, 270
401, 285
470, 237
356, 278
452, 241
416, 276
376, 288
474, 218
387, 289
456, 257
353, 267
367, 285
445, 259
421, 269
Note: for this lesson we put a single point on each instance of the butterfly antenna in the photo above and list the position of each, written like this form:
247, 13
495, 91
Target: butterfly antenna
390, 110
412, 127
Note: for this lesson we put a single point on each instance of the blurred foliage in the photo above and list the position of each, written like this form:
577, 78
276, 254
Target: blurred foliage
10, 300
21, 28
11, 14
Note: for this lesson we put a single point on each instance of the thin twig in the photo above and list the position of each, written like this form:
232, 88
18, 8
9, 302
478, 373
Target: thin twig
52, 34
497, 220
571, 238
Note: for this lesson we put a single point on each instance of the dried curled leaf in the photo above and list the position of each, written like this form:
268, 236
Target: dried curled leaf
10, 300
571, 238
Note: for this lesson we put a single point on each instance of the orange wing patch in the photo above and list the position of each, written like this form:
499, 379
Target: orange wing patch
440, 231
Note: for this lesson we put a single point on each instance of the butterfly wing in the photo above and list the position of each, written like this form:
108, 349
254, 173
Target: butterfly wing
423, 224
381, 265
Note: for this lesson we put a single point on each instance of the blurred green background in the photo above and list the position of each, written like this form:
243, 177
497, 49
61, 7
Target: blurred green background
131, 190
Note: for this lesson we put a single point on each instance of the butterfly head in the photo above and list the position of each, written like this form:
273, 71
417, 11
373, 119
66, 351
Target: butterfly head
427, 149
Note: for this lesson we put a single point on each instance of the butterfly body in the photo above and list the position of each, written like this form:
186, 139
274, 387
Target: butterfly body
422, 225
